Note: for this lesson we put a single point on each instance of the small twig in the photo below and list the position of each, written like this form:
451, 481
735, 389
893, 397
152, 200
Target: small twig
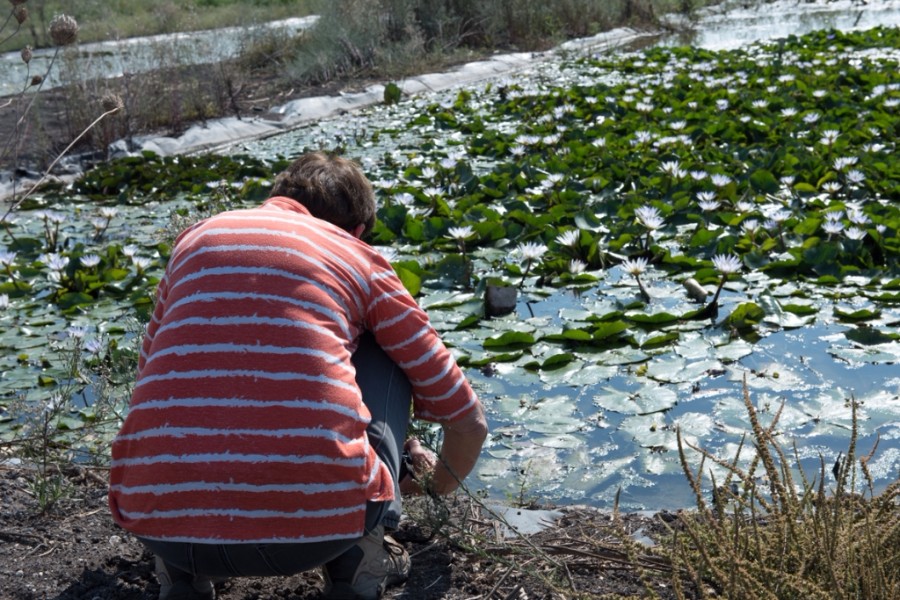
89, 513
430, 546
500, 581
433, 583
515, 593
12, 536
35, 549
46, 174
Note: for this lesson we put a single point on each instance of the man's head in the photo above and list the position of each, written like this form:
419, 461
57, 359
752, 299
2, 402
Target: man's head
332, 188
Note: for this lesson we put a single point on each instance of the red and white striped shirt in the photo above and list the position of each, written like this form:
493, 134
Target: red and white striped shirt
246, 424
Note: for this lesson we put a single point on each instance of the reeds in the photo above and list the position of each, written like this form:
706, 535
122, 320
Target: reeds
771, 531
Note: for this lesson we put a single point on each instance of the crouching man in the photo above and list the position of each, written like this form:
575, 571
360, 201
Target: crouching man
273, 395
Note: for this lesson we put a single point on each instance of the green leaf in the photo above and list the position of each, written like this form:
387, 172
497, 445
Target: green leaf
607, 330
869, 336
510, 339
746, 315
411, 281
764, 181
863, 314
557, 361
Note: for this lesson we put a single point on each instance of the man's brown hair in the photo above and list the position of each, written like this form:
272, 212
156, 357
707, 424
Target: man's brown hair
331, 187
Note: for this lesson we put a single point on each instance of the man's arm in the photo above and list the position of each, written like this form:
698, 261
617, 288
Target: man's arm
463, 440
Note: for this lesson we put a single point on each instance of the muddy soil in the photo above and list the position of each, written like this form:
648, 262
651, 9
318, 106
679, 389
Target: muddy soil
75, 551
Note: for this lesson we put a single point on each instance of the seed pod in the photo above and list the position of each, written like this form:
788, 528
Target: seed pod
21, 14
111, 101
26, 54
63, 30
37, 79
17, 2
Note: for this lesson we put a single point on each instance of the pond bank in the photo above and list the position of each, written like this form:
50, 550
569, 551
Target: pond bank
218, 134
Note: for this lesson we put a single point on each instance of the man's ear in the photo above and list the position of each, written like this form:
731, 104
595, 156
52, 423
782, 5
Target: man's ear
357, 231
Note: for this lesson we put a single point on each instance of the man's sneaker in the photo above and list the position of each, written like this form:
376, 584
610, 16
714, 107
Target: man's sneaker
365, 570
175, 584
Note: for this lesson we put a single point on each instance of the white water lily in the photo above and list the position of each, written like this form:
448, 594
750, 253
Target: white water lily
706, 196
141, 263
855, 233
750, 226
568, 238
531, 251
855, 176
405, 199
745, 206
842, 162
57, 262
832, 227
858, 217
673, 169
576, 266
635, 266
89, 260
720, 180
460, 233
727, 264
829, 137
649, 217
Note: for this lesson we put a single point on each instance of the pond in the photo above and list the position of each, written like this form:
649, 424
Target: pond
598, 162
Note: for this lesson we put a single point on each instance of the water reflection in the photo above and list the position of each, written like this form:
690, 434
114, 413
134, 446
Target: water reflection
740, 26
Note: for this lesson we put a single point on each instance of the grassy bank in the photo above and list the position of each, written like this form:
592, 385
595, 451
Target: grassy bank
102, 20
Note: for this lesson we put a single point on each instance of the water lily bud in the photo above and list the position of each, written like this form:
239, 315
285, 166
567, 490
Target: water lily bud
26, 54
36, 80
63, 30
21, 14
111, 101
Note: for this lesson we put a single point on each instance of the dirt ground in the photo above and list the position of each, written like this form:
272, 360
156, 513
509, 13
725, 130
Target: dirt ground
75, 551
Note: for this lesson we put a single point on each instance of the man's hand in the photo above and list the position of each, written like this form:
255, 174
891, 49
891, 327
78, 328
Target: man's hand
459, 453
421, 469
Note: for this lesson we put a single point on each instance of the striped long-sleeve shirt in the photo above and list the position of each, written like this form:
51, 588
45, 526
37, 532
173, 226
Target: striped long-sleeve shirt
246, 424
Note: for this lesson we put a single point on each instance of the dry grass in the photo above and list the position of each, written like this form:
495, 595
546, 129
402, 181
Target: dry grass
768, 533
